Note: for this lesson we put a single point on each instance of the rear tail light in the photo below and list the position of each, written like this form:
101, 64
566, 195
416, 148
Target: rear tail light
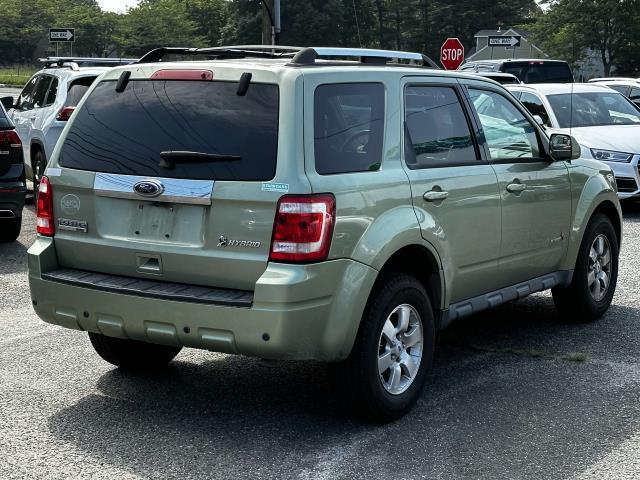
65, 113
303, 228
44, 209
10, 137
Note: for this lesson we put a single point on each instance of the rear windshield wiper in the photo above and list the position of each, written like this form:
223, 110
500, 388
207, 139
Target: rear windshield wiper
169, 158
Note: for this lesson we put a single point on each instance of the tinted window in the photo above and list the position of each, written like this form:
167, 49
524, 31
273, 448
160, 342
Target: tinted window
348, 127
53, 90
590, 109
436, 128
539, 71
77, 89
125, 132
535, 106
508, 133
619, 88
40, 93
634, 95
25, 101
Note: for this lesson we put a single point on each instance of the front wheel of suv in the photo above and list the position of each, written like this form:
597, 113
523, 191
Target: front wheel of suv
383, 376
132, 354
595, 274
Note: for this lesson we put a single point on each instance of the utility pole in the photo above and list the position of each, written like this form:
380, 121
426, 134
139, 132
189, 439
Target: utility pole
270, 21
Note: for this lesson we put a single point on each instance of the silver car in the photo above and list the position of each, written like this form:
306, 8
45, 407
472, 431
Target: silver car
603, 121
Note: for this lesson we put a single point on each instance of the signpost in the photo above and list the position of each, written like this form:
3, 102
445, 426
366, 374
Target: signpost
451, 53
57, 35
505, 41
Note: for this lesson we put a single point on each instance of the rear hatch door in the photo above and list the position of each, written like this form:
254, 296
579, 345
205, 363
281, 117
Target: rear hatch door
166, 178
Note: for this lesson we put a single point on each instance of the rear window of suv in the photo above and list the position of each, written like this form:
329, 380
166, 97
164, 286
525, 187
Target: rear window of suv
539, 71
124, 133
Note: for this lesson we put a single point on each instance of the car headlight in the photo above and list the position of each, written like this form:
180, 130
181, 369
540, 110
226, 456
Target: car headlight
609, 156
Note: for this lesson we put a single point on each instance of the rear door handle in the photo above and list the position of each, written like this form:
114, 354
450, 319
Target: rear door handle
435, 196
516, 187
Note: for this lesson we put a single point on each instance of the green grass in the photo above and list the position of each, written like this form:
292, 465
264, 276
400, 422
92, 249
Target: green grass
16, 75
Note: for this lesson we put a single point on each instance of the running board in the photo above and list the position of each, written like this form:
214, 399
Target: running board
489, 300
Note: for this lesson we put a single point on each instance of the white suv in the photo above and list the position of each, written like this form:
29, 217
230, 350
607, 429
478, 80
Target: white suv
46, 103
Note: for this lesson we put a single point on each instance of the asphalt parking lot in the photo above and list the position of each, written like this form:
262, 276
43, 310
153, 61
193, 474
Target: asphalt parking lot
515, 393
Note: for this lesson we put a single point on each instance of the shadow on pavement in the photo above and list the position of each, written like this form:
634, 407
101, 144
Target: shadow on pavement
486, 413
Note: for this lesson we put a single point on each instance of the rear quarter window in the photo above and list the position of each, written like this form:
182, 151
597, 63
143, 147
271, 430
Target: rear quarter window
348, 127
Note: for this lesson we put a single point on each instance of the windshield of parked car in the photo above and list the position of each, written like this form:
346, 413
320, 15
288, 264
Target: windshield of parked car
591, 109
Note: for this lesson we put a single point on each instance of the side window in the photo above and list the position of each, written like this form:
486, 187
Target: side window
40, 93
77, 89
348, 127
619, 88
634, 96
508, 133
535, 106
25, 100
437, 132
51, 94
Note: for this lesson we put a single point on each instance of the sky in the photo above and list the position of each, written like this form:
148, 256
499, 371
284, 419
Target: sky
119, 6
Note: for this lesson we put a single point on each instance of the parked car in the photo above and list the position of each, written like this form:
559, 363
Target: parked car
501, 78
285, 204
45, 105
629, 88
527, 71
603, 121
12, 180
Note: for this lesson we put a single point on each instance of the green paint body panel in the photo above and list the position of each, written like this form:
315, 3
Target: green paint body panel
480, 238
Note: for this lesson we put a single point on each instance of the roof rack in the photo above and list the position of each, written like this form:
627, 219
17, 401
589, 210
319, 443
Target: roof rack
75, 62
308, 56
299, 56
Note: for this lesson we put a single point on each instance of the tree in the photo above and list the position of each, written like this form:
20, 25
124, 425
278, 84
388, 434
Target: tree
157, 23
610, 27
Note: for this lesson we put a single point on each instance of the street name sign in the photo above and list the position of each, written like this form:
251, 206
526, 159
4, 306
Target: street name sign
505, 41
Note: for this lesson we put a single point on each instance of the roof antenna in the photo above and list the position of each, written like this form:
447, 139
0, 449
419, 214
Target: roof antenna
355, 13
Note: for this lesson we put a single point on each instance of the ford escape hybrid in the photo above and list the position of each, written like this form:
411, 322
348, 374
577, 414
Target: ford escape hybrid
328, 204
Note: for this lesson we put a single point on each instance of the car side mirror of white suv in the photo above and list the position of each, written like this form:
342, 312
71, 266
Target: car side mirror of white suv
563, 148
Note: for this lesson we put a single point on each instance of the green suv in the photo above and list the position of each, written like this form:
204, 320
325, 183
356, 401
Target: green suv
340, 205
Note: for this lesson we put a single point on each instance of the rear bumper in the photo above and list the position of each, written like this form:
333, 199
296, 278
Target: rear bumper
298, 311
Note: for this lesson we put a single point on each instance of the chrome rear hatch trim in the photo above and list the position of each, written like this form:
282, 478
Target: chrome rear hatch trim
156, 189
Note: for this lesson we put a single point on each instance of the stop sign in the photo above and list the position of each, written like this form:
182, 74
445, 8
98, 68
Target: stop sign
451, 53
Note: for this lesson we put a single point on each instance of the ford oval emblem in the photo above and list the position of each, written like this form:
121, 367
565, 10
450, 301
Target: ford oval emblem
148, 188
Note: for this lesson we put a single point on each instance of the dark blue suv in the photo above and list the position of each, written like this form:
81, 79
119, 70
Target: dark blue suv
12, 180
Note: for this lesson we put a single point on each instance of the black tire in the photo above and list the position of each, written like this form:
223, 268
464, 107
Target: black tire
576, 302
131, 354
38, 166
10, 229
357, 380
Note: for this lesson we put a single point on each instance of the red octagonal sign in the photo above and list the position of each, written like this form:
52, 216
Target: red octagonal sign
451, 53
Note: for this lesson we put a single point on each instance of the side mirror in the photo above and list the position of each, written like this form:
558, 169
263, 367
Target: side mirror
7, 102
564, 147
539, 121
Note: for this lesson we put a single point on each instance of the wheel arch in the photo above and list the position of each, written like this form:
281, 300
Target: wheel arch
597, 197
